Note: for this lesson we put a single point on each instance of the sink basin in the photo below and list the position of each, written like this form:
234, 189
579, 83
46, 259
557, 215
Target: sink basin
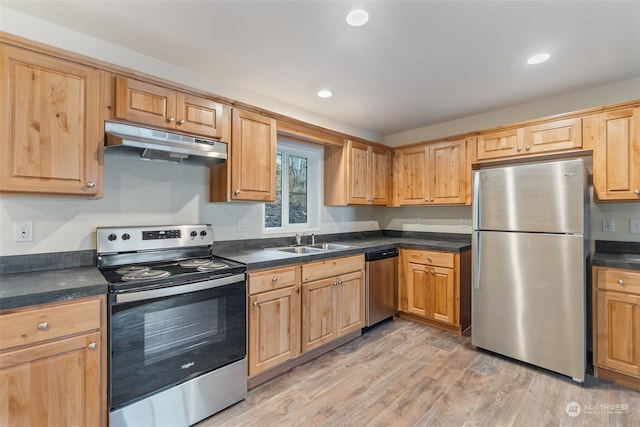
329, 246
299, 250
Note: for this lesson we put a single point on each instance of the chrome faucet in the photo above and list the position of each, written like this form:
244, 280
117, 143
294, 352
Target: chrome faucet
313, 239
299, 238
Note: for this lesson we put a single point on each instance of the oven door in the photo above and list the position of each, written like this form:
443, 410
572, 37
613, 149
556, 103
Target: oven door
162, 337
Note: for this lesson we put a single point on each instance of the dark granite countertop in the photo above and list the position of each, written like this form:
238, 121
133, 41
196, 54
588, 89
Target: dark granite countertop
40, 287
617, 255
256, 259
68, 275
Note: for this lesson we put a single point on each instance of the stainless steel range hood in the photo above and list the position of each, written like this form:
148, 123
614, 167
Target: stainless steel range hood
155, 145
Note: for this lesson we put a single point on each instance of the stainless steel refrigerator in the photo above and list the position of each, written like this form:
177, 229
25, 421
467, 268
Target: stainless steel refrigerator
530, 247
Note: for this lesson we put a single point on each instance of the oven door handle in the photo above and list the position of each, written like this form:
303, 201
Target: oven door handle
178, 290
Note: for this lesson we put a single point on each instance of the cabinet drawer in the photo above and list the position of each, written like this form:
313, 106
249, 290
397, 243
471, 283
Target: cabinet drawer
619, 280
272, 279
331, 267
42, 324
435, 258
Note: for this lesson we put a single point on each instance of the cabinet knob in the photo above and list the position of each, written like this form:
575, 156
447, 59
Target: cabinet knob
622, 282
431, 200
429, 258
171, 119
90, 184
43, 326
92, 346
527, 148
275, 279
181, 121
637, 192
519, 149
237, 192
255, 303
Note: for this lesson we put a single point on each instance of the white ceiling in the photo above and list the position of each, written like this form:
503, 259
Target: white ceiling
416, 63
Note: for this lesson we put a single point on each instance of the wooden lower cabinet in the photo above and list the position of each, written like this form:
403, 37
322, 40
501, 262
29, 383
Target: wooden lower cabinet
617, 325
274, 319
434, 288
53, 380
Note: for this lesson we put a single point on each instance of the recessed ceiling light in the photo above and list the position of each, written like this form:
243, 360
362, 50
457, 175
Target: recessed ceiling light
538, 58
324, 93
357, 17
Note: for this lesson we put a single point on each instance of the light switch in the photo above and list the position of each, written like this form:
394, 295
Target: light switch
635, 226
609, 225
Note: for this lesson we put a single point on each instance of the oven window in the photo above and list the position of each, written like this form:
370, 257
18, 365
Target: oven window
155, 344
176, 330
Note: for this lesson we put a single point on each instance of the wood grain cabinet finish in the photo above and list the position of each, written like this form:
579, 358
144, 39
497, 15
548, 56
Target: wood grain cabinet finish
249, 174
332, 300
52, 374
616, 174
161, 107
549, 136
274, 318
50, 125
617, 325
357, 174
432, 174
434, 288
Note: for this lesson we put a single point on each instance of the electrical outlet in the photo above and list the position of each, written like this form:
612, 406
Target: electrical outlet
609, 225
23, 231
242, 225
635, 226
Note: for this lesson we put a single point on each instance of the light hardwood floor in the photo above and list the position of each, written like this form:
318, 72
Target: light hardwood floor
405, 374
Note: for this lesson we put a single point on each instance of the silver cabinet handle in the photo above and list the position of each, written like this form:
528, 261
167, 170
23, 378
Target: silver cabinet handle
637, 192
519, 149
43, 326
91, 184
181, 121
429, 258
527, 148
237, 192
171, 119
622, 282
256, 303
92, 346
275, 279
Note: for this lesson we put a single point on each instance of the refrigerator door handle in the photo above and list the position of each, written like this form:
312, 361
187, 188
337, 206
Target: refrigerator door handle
476, 201
476, 260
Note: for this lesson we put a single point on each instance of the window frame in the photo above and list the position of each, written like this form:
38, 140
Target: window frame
314, 154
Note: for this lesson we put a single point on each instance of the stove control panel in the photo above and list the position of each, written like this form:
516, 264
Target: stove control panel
141, 238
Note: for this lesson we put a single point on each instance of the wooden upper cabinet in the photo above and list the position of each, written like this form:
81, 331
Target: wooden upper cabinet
253, 157
616, 175
162, 107
357, 174
434, 173
555, 135
50, 125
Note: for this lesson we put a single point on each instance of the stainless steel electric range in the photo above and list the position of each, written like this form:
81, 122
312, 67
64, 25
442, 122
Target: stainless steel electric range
177, 325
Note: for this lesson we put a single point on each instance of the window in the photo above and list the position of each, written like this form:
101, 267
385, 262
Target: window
298, 188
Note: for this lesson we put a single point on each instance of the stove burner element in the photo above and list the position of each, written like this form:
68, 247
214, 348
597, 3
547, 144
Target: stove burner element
193, 263
211, 265
145, 275
131, 269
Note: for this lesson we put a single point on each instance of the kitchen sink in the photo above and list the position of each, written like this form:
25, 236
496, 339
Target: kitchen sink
329, 246
299, 250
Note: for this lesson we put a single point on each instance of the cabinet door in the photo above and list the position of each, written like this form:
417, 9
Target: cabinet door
253, 157
380, 176
274, 328
411, 182
498, 144
350, 303
447, 172
616, 173
50, 125
440, 295
553, 136
202, 116
359, 175
146, 103
618, 329
417, 289
318, 317
55, 384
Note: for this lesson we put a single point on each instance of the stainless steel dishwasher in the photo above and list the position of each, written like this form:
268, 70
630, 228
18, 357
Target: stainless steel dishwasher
380, 286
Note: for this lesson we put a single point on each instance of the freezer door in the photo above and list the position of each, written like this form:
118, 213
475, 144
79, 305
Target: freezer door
528, 299
539, 197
